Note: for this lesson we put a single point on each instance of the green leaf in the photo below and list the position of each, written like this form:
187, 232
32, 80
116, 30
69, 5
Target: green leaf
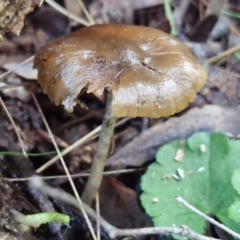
201, 175
234, 211
236, 180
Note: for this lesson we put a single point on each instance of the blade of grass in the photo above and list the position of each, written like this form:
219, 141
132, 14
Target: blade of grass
28, 154
237, 55
169, 15
230, 13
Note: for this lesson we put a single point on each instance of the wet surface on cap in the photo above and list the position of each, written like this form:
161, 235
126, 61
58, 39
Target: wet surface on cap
150, 73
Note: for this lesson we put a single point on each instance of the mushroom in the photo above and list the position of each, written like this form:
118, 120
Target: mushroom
144, 72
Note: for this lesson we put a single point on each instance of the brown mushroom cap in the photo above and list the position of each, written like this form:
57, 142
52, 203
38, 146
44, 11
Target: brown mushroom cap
150, 73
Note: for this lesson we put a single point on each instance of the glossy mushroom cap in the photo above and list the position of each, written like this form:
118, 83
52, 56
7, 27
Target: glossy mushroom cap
150, 73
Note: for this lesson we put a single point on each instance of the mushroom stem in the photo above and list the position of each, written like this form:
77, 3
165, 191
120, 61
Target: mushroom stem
105, 140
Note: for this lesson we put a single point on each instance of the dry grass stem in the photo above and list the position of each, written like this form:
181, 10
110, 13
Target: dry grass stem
223, 54
14, 126
78, 143
77, 175
66, 13
88, 15
65, 168
209, 219
90, 136
18, 66
14, 86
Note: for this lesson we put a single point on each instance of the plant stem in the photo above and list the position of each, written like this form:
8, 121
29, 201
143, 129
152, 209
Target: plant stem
101, 155
169, 15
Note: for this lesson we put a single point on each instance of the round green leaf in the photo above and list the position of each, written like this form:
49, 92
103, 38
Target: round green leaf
199, 170
234, 211
236, 180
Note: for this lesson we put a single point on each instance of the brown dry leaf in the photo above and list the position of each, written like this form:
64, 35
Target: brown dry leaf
204, 27
12, 14
210, 118
222, 88
119, 205
45, 136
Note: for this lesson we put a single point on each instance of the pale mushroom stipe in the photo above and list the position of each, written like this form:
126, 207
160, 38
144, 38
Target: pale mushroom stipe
145, 72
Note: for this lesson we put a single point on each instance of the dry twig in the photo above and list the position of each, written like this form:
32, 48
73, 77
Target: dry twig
223, 54
77, 175
209, 219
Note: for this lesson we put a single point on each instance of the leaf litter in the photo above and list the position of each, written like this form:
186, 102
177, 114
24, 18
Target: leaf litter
215, 109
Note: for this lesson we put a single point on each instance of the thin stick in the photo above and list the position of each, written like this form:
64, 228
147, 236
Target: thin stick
211, 220
107, 173
14, 126
223, 54
62, 10
65, 168
112, 231
98, 215
90, 136
18, 66
100, 157
88, 15
182, 231
11, 86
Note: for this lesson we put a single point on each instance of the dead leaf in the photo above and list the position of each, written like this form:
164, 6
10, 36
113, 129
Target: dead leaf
202, 30
222, 88
119, 205
210, 118
45, 137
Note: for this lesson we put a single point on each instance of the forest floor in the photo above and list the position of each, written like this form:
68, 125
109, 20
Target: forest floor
210, 31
